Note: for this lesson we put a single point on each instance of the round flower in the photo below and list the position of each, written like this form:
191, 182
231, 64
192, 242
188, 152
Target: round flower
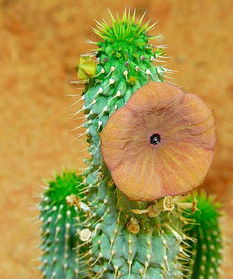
161, 143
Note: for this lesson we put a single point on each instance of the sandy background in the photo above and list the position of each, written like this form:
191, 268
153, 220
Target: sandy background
40, 43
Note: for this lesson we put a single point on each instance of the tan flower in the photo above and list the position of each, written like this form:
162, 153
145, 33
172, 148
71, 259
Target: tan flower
161, 143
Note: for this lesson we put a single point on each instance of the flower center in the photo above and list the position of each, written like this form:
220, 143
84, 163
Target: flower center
155, 139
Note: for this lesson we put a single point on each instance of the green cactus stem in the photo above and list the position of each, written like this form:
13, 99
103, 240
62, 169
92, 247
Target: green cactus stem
59, 228
206, 251
125, 244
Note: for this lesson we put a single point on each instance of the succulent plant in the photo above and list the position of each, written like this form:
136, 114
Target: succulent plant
59, 229
150, 144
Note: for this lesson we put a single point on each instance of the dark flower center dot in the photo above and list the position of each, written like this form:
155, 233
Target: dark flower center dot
155, 139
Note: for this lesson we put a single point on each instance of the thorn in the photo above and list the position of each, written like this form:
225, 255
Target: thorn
111, 81
78, 81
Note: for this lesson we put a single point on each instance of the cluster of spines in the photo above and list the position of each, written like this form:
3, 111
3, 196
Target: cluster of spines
60, 257
122, 27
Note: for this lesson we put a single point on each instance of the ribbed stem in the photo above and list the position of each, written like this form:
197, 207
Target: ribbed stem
206, 251
124, 244
60, 222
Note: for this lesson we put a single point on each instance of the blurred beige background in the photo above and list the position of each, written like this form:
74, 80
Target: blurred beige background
40, 43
